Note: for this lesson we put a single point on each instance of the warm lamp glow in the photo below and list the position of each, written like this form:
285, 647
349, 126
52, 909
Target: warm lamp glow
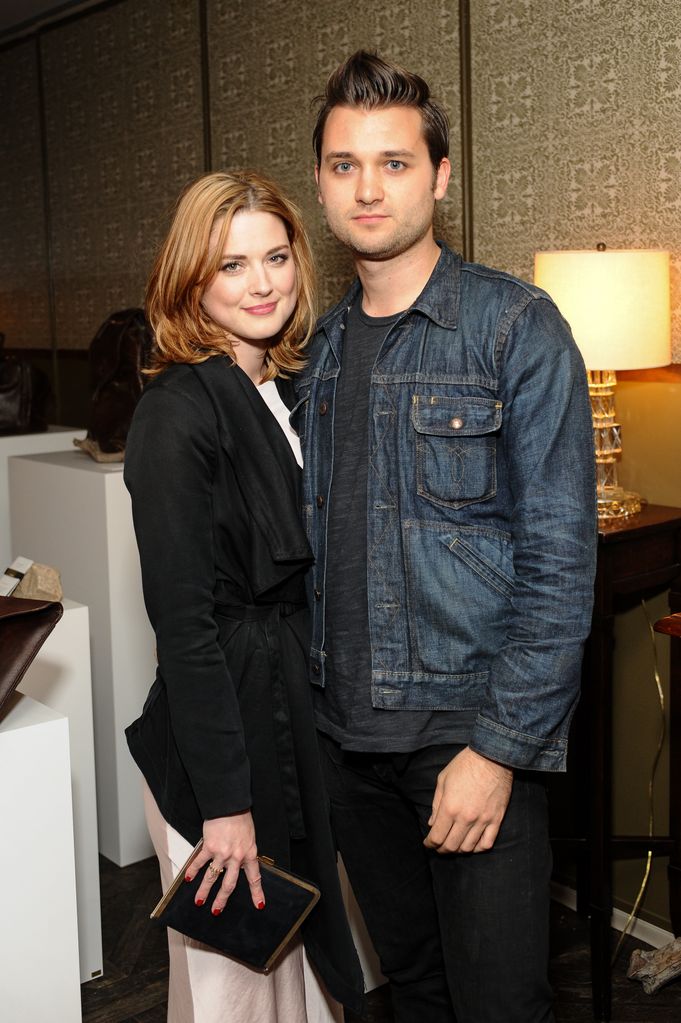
616, 302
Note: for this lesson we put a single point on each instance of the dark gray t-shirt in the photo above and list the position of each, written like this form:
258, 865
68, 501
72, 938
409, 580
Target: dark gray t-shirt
343, 708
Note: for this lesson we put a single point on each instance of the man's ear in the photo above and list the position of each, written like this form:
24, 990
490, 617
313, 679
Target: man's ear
442, 178
316, 177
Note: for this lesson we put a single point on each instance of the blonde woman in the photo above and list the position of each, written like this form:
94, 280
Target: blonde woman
226, 740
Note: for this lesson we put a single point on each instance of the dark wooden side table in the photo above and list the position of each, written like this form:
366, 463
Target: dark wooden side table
637, 558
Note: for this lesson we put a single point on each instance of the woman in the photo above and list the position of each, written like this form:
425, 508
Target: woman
226, 740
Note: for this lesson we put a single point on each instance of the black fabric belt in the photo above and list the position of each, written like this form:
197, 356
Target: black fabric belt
271, 614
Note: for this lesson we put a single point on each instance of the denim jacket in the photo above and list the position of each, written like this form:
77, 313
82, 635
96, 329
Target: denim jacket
481, 523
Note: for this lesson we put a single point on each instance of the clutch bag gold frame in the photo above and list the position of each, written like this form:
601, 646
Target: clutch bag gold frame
290, 898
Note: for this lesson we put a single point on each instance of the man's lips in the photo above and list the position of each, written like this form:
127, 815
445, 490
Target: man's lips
370, 218
261, 310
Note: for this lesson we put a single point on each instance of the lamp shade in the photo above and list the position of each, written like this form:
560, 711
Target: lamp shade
616, 302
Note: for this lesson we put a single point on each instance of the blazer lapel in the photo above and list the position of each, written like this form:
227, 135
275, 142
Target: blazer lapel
264, 464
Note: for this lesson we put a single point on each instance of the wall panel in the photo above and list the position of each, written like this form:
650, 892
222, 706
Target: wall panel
124, 135
23, 268
577, 129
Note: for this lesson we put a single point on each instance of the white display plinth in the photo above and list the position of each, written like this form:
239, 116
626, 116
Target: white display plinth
71, 512
39, 973
60, 678
56, 438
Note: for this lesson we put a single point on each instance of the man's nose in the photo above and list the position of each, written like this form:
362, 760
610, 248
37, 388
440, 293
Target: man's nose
369, 186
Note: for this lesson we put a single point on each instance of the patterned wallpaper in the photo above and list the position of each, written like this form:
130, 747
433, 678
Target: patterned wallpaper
23, 265
577, 133
124, 134
577, 130
269, 60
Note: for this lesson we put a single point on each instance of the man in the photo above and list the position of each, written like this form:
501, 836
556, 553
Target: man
449, 495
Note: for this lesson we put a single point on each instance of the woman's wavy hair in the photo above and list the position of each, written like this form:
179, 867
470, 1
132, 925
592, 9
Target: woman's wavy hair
187, 263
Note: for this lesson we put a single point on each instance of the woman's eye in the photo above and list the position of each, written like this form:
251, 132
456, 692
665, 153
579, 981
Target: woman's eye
279, 257
231, 268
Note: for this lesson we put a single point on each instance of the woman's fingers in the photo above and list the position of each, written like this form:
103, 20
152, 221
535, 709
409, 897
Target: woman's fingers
228, 845
227, 886
215, 870
252, 871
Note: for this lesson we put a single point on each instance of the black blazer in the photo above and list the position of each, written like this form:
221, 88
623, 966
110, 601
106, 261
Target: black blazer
228, 723
214, 489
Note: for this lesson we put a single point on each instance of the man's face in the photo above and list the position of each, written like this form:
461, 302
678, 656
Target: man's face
376, 181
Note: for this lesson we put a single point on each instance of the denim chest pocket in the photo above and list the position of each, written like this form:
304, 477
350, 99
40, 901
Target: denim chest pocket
455, 448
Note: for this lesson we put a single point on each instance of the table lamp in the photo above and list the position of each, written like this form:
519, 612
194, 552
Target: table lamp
617, 304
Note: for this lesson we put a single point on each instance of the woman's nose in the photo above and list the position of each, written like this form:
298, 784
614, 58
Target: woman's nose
259, 283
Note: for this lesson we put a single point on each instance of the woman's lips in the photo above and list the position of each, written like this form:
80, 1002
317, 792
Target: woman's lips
261, 310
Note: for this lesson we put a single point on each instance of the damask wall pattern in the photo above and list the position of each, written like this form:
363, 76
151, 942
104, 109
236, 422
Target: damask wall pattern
124, 133
269, 60
24, 315
577, 130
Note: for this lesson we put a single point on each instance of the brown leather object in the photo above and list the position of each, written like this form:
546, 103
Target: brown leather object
119, 352
24, 627
670, 626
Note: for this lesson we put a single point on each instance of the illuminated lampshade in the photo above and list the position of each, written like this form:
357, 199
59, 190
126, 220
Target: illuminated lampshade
617, 304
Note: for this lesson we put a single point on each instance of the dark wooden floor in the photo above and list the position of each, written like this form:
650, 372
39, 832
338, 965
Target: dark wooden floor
133, 988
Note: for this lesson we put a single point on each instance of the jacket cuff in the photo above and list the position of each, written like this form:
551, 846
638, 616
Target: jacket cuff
220, 804
516, 749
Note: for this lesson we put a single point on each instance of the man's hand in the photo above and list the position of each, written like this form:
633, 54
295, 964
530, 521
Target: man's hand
469, 804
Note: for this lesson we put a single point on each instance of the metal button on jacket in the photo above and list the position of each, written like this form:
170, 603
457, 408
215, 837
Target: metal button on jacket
456, 423
320, 500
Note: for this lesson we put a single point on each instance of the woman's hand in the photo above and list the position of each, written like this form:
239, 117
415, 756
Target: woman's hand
228, 845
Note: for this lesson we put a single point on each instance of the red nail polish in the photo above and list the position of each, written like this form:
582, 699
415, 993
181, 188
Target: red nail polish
187, 877
261, 905
216, 912
199, 902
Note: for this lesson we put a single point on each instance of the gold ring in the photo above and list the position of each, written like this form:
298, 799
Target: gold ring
214, 871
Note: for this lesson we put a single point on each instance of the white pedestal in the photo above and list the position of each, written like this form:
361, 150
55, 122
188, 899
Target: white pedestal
39, 976
70, 512
57, 438
60, 679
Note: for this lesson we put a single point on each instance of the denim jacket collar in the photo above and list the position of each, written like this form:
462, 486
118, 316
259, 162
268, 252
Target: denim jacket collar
439, 300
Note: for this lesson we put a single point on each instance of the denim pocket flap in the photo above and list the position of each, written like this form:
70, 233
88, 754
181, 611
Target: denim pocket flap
442, 416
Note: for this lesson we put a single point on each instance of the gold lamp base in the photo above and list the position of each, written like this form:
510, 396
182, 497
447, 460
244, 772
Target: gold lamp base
617, 503
614, 502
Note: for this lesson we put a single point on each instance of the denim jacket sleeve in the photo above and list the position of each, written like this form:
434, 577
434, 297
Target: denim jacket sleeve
547, 447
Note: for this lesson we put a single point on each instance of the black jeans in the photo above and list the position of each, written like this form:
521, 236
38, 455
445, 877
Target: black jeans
462, 938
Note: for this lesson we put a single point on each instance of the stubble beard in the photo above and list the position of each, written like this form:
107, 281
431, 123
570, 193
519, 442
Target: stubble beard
403, 238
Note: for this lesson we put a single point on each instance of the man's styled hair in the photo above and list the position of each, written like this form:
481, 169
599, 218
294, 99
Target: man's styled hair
191, 256
366, 80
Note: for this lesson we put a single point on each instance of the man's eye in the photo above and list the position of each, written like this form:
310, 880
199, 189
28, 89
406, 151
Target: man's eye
344, 167
395, 164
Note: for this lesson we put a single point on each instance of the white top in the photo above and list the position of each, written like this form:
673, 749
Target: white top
270, 395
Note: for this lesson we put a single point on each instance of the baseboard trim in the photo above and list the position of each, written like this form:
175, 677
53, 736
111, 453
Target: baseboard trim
641, 929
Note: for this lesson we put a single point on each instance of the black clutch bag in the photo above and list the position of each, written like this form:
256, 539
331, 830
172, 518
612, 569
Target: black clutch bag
254, 937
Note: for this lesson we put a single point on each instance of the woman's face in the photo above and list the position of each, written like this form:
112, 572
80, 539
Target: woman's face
254, 292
